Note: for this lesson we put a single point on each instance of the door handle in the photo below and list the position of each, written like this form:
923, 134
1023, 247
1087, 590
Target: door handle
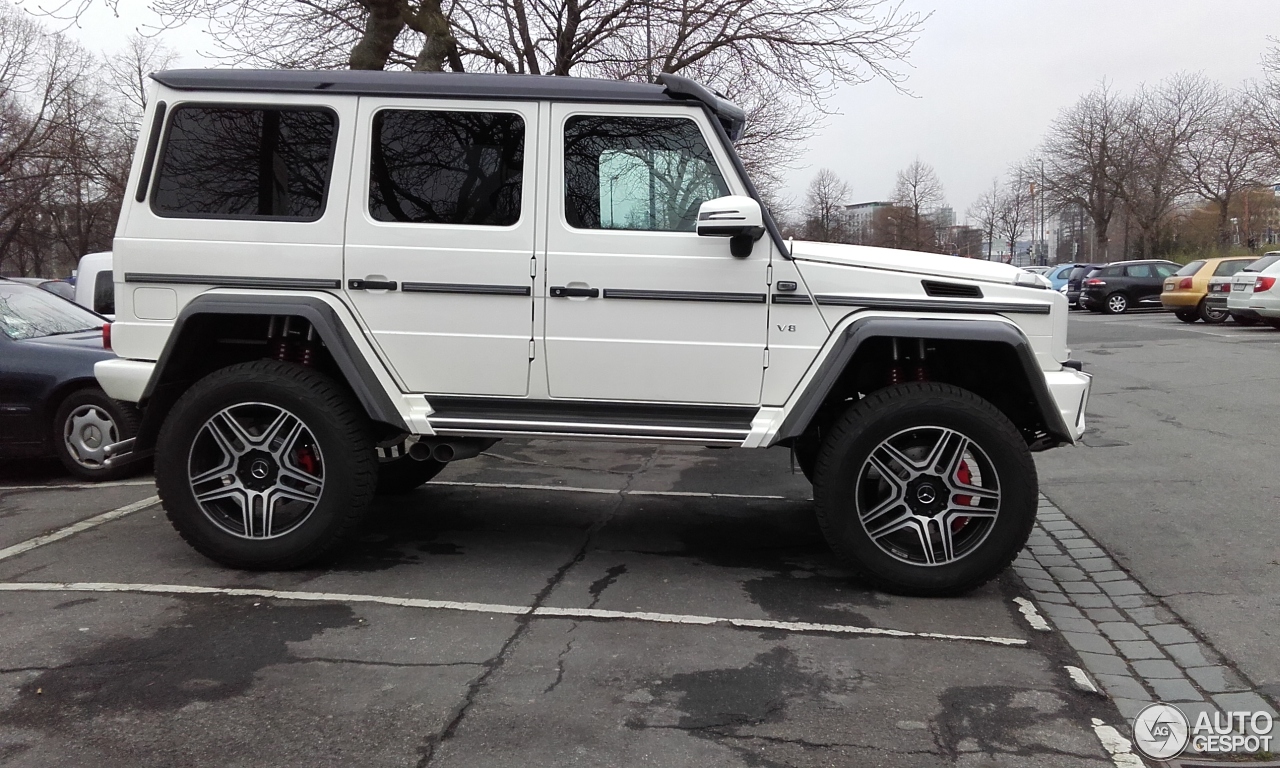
372, 285
560, 291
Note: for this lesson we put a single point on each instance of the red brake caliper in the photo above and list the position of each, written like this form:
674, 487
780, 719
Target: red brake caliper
964, 476
305, 458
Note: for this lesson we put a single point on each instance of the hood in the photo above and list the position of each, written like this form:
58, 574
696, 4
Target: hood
916, 262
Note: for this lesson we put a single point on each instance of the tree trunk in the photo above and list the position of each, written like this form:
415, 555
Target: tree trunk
439, 47
381, 28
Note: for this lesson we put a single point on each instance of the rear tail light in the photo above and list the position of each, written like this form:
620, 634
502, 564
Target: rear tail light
1095, 281
1184, 284
1263, 284
106, 335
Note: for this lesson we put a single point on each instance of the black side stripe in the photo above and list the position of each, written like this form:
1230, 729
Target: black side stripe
920, 305
468, 288
232, 281
721, 296
783, 298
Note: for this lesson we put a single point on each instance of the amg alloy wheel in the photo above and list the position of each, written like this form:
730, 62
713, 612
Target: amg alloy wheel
925, 489
265, 465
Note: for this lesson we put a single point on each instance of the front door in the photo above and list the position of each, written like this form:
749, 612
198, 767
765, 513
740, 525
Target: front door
440, 241
638, 306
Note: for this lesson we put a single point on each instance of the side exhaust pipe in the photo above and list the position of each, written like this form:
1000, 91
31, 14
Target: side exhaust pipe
445, 451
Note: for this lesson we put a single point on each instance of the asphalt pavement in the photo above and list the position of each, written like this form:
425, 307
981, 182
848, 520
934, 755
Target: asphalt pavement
598, 604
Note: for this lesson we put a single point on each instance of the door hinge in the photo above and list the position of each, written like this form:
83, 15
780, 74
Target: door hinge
533, 266
530, 349
766, 357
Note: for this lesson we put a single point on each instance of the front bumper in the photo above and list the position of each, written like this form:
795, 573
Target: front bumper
1070, 391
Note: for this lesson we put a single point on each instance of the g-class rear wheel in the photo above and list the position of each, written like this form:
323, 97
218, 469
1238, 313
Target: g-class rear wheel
925, 489
265, 465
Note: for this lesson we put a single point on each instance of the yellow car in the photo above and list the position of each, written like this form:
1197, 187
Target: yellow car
1184, 292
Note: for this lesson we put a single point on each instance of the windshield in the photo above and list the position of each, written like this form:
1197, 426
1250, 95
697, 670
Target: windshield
1262, 263
27, 312
1190, 269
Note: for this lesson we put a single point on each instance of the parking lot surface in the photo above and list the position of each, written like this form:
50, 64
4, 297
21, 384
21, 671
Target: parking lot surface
603, 604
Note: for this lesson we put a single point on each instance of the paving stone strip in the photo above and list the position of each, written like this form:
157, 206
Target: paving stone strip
1136, 649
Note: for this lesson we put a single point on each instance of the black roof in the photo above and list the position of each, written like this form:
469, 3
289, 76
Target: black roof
456, 85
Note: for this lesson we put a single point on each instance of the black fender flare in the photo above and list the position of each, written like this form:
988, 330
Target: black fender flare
327, 322
861, 329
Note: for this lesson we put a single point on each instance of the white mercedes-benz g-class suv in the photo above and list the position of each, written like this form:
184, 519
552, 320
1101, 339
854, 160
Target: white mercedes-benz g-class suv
331, 284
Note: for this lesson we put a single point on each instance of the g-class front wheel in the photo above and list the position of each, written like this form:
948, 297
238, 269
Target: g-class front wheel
925, 489
265, 465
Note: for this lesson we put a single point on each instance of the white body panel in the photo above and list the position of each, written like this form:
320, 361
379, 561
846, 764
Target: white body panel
1243, 295
90, 267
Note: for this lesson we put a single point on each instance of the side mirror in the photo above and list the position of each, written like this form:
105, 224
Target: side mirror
735, 217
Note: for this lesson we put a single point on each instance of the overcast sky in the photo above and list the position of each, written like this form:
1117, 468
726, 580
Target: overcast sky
986, 78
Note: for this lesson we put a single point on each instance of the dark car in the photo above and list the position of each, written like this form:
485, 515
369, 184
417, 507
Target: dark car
50, 403
1124, 285
1076, 279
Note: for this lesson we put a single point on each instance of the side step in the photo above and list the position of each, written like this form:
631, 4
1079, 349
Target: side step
703, 424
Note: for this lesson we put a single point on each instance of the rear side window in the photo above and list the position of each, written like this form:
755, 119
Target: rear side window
246, 163
1138, 270
1111, 272
1229, 268
447, 167
1190, 269
104, 293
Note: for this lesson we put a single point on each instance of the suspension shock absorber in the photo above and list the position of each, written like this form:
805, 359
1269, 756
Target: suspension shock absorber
922, 373
895, 367
279, 344
308, 347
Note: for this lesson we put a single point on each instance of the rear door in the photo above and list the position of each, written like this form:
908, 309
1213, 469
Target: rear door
638, 306
439, 253
1143, 283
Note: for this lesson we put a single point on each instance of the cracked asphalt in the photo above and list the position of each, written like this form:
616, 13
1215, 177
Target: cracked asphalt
589, 586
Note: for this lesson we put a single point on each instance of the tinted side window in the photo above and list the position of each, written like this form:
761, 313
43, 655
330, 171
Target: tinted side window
1111, 272
447, 167
241, 162
1165, 270
1138, 270
640, 173
104, 294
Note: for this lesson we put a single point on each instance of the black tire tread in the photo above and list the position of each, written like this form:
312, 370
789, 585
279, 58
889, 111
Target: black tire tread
920, 394
321, 390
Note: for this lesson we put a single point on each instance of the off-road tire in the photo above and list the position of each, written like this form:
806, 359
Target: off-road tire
342, 433
1187, 315
1210, 315
404, 474
856, 433
1115, 303
124, 417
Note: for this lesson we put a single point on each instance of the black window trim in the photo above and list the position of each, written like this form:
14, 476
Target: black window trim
525, 178
588, 111
164, 147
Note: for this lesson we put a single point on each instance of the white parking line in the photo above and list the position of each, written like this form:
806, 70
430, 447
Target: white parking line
1032, 616
75, 528
74, 486
1120, 748
510, 610
615, 491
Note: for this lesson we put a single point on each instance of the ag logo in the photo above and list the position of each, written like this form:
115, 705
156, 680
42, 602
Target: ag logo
1160, 731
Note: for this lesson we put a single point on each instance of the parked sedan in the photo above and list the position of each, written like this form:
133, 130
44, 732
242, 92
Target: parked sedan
1124, 285
1186, 292
50, 402
1254, 295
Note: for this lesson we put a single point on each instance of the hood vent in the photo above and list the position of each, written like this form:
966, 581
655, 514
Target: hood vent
950, 290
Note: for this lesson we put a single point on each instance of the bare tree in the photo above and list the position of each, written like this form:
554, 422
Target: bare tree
1014, 211
1228, 157
918, 194
985, 210
1080, 156
824, 214
1158, 133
